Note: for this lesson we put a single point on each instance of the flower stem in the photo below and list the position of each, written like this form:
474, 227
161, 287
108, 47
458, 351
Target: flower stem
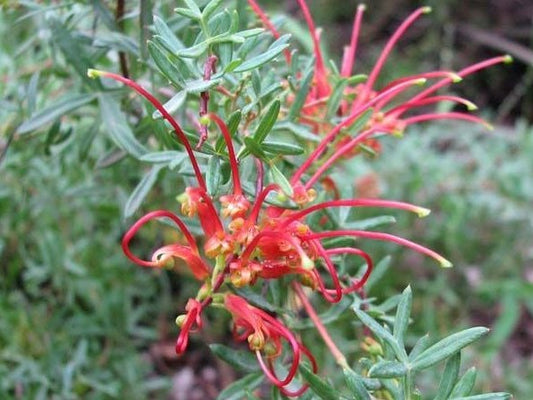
337, 354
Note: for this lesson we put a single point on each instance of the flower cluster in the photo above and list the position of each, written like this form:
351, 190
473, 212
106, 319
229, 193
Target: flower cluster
247, 239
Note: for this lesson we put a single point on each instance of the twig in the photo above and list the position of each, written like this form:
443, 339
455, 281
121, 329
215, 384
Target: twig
119, 18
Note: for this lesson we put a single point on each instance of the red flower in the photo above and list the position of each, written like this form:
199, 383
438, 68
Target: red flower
265, 336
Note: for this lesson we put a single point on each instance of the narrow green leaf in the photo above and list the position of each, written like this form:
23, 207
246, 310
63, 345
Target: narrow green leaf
360, 122
86, 139
210, 8
356, 385
194, 51
238, 390
213, 175
301, 96
187, 13
387, 369
335, 98
252, 147
379, 271
272, 52
420, 345
51, 113
167, 68
401, 321
171, 105
267, 122
318, 385
164, 157
167, 35
449, 377
191, 4
381, 333
240, 360
232, 65
285, 149
487, 396
465, 385
232, 124
278, 177
141, 191
355, 79
199, 85
446, 347
117, 127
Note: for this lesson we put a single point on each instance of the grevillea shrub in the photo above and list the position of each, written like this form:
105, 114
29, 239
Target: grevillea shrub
257, 127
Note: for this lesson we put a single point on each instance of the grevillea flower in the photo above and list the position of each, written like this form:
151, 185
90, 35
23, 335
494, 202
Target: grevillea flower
387, 115
246, 239
265, 336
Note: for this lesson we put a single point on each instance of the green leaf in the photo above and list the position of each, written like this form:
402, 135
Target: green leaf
446, 347
167, 68
194, 51
387, 369
420, 345
381, 333
487, 396
200, 85
213, 175
232, 124
379, 271
187, 13
285, 149
267, 122
240, 360
141, 191
117, 127
465, 385
449, 377
272, 52
278, 178
167, 35
321, 388
172, 105
356, 385
53, 112
335, 98
301, 96
238, 390
191, 4
355, 79
252, 147
401, 321
164, 157
210, 8
232, 65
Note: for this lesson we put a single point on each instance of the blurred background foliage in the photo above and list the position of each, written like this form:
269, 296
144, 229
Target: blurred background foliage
79, 321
